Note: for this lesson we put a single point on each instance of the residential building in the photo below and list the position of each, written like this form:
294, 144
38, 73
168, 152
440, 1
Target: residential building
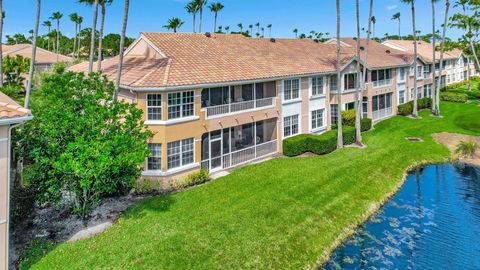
44, 59
11, 114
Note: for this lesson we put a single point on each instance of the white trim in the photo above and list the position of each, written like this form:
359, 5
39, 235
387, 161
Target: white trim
204, 109
3, 139
172, 121
291, 101
286, 101
3, 221
15, 120
322, 96
144, 38
171, 171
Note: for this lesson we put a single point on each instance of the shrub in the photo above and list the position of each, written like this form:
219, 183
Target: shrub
466, 149
195, 178
317, 144
454, 97
475, 78
405, 109
424, 103
348, 118
366, 124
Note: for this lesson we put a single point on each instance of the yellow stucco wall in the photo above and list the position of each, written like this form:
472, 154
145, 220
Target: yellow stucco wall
3, 195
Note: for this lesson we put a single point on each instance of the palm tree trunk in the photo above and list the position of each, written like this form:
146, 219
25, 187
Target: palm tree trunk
79, 40
201, 15
215, 23
434, 69
122, 45
100, 39
399, 28
339, 84
34, 52
468, 75
194, 22
75, 40
358, 130
1, 49
58, 38
48, 40
415, 53
367, 46
472, 46
92, 38
442, 50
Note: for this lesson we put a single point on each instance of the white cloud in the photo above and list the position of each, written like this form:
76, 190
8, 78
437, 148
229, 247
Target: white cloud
391, 7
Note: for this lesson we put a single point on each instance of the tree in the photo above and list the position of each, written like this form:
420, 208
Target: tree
442, 50
82, 143
193, 8
74, 19
104, 4
80, 21
295, 31
1, 42
241, 27
111, 42
415, 54
396, 16
215, 8
48, 24
173, 24
339, 83
122, 49
258, 27
374, 21
358, 129
92, 40
12, 68
434, 53
227, 29
251, 29
367, 47
200, 4
269, 30
34, 52
57, 16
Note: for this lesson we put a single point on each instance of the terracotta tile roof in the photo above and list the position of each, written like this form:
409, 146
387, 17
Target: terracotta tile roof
193, 59
424, 49
42, 55
380, 55
10, 109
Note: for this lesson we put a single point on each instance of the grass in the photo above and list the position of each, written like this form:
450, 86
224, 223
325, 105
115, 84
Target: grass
474, 94
285, 213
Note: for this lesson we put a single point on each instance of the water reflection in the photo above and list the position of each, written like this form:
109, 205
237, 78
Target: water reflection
432, 223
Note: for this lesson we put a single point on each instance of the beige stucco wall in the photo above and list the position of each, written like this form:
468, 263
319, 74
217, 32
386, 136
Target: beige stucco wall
3, 195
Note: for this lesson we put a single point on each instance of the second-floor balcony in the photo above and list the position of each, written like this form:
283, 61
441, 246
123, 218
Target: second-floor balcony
380, 83
239, 106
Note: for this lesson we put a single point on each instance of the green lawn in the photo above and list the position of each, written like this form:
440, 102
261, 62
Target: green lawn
284, 213
474, 94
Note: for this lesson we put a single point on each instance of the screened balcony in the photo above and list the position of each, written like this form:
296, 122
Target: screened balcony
230, 99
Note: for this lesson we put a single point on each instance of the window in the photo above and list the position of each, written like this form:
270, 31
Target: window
333, 83
179, 153
401, 76
382, 102
419, 92
154, 162
180, 104
290, 125
217, 96
317, 119
291, 89
154, 107
381, 77
333, 114
317, 86
401, 97
419, 72
350, 81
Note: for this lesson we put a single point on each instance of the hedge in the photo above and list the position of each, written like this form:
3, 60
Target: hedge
317, 144
454, 86
454, 97
348, 119
407, 108
365, 124
475, 78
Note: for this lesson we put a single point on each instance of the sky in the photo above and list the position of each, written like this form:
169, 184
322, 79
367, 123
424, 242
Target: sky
284, 15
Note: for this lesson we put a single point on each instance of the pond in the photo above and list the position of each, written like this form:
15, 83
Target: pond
433, 222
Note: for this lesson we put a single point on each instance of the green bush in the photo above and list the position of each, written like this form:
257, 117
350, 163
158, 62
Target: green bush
454, 86
348, 118
475, 78
317, 144
366, 124
424, 103
195, 178
454, 97
405, 109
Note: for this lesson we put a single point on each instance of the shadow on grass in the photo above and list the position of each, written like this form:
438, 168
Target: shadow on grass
34, 252
156, 204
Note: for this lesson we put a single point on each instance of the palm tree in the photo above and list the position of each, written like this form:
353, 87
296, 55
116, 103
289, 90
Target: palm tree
251, 29
48, 24
358, 130
57, 16
79, 21
227, 29
434, 45
269, 30
173, 23
92, 38
241, 27
104, 4
34, 52
258, 27
122, 48
415, 53
74, 19
396, 16
263, 31
339, 83
296, 32
367, 47
374, 21
200, 4
215, 8
442, 50
192, 8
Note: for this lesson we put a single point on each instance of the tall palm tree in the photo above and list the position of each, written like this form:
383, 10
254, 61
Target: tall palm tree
122, 49
442, 50
47, 24
434, 69
251, 29
358, 130
374, 21
1, 49
34, 52
258, 27
269, 30
200, 4
74, 19
80, 21
367, 47
215, 8
240, 25
192, 8
415, 54
57, 16
103, 4
227, 29
339, 83
263, 32
396, 16
295, 31
173, 24
92, 38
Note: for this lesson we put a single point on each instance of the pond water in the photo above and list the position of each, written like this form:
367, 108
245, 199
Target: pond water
433, 222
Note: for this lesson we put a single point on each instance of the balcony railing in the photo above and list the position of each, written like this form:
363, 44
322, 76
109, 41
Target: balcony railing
383, 113
239, 106
382, 83
244, 155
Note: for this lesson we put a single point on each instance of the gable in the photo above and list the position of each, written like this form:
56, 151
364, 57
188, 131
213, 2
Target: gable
143, 48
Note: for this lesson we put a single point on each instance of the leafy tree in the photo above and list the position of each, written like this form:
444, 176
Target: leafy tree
110, 44
80, 142
13, 67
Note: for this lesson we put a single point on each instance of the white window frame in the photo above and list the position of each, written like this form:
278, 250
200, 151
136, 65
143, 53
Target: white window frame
291, 95
384, 81
182, 104
149, 99
316, 121
291, 118
155, 155
400, 95
346, 80
314, 91
181, 153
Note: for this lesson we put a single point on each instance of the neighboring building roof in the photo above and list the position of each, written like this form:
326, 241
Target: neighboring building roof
42, 56
424, 49
184, 59
379, 55
10, 110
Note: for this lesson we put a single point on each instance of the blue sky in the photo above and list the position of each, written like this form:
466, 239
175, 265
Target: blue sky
285, 15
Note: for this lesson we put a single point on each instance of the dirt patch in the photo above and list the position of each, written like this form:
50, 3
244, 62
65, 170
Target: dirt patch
451, 140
